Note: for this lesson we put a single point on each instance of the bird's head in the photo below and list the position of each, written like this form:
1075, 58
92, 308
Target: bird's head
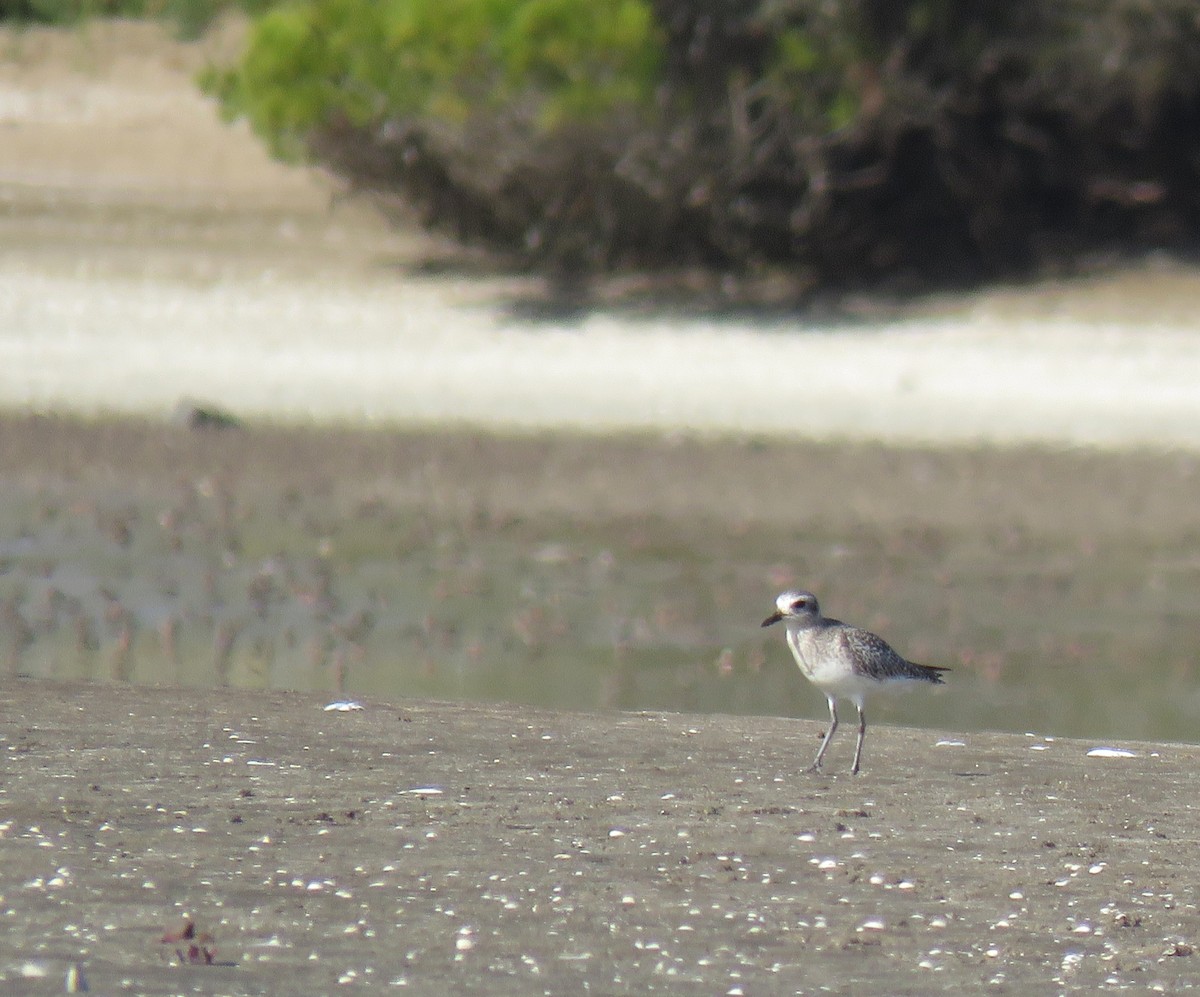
794, 605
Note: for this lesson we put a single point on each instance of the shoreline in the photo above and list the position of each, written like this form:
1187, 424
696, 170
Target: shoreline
494, 849
470, 564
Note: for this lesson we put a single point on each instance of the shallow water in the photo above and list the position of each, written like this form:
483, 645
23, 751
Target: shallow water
460, 565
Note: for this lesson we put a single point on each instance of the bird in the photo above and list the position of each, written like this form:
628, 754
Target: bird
843, 661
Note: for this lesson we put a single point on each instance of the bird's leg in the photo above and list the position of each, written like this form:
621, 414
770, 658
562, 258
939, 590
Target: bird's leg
833, 723
862, 732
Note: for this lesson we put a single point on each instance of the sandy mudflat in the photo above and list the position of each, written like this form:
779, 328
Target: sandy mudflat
454, 849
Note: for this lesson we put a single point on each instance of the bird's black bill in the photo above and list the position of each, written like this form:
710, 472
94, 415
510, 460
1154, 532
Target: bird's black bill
773, 618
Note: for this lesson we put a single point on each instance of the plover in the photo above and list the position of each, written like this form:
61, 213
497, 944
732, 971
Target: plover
843, 661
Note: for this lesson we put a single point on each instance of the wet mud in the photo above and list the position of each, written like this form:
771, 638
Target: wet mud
462, 849
584, 572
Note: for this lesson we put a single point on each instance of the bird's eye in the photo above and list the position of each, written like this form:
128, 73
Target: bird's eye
799, 604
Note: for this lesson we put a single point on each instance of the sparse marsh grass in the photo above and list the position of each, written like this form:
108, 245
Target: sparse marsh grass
585, 572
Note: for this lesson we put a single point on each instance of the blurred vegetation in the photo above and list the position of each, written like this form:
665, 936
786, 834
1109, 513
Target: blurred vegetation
502, 120
537, 63
914, 142
919, 142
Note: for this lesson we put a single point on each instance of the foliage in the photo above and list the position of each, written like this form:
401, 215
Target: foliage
846, 142
325, 62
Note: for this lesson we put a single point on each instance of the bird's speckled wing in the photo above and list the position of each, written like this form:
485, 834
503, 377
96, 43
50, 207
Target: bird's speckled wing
874, 657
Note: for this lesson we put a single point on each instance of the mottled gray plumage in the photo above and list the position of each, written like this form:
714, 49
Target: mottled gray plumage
843, 661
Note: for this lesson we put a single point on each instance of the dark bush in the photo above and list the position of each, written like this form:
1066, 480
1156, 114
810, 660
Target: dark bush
920, 141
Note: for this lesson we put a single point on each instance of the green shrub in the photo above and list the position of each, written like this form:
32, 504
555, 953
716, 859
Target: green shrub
812, 79
844, 141
319, 62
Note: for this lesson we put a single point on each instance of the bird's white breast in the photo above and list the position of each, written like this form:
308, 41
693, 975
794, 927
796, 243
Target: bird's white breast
826, 666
